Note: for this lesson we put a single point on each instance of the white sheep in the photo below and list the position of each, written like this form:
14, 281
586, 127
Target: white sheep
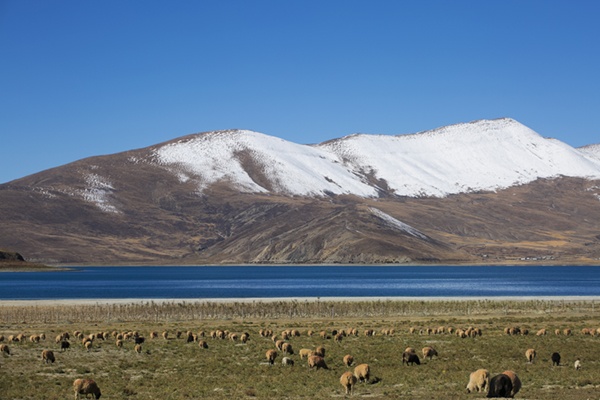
479, 380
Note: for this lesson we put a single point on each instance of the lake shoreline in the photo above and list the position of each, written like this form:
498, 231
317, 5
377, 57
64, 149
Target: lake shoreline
159, 301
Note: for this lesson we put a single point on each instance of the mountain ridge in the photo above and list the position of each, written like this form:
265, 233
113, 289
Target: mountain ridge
240, 196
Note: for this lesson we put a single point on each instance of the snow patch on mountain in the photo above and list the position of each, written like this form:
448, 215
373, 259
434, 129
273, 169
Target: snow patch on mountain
98, 192
397, 224
592, 151
291, 168
482, 155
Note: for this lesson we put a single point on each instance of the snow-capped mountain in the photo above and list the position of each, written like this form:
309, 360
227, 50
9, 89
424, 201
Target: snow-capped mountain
482, 155
239, 196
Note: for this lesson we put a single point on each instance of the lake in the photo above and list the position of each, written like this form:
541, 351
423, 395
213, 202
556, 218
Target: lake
299, 282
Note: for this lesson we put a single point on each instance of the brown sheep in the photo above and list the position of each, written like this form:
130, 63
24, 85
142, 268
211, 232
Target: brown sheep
516, 382
86, 386
244, 337
138, 348
271, 356
287, 348
202, 344
305, 353
4, 349
279, 344
319, 351
48, 356
409, 350
541, 332
479, 380
88, 345
429, 352
567, 332
153, 335
165, 335
317, 361
348, 380
348, 360
362, 372
119, 343
530, 354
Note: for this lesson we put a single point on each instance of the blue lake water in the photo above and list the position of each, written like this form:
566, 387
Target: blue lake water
286, 281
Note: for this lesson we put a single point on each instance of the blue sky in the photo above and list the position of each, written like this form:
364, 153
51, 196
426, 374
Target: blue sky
84, 78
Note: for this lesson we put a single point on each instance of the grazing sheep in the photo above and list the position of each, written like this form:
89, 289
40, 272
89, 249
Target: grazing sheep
139, 340
4, 349
555, 359
567, 332
410, 350
279, 344
244, 338
362, 372
88, 345
138, 348
271, 355
348, 360
1, 338
530, 354
317, 361
557, 332
119, 343
319, 351
64, 345
287, 348
541, 332
287, 361
410, 358
516, 382
305, 353
429, 352
86, 386
153, 335
577, 364
48, 356
165, 335
500, 386
478, 380
338, 338
202, 344
348, 380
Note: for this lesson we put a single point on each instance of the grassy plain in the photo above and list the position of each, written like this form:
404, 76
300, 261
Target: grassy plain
174, 369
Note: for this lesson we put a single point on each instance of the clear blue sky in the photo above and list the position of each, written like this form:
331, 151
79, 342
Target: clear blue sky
83, 78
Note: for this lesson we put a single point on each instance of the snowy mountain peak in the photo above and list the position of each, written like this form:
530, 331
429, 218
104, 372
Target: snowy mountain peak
479, 155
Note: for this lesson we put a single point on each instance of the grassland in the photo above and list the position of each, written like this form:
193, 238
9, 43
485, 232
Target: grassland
174, 369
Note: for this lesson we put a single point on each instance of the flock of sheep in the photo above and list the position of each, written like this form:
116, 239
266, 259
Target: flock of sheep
505, 384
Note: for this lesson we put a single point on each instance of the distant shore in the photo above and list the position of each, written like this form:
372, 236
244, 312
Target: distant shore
75, 302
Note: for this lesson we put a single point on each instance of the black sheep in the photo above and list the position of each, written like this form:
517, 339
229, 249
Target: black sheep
500, 386
410, 358
555, 359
